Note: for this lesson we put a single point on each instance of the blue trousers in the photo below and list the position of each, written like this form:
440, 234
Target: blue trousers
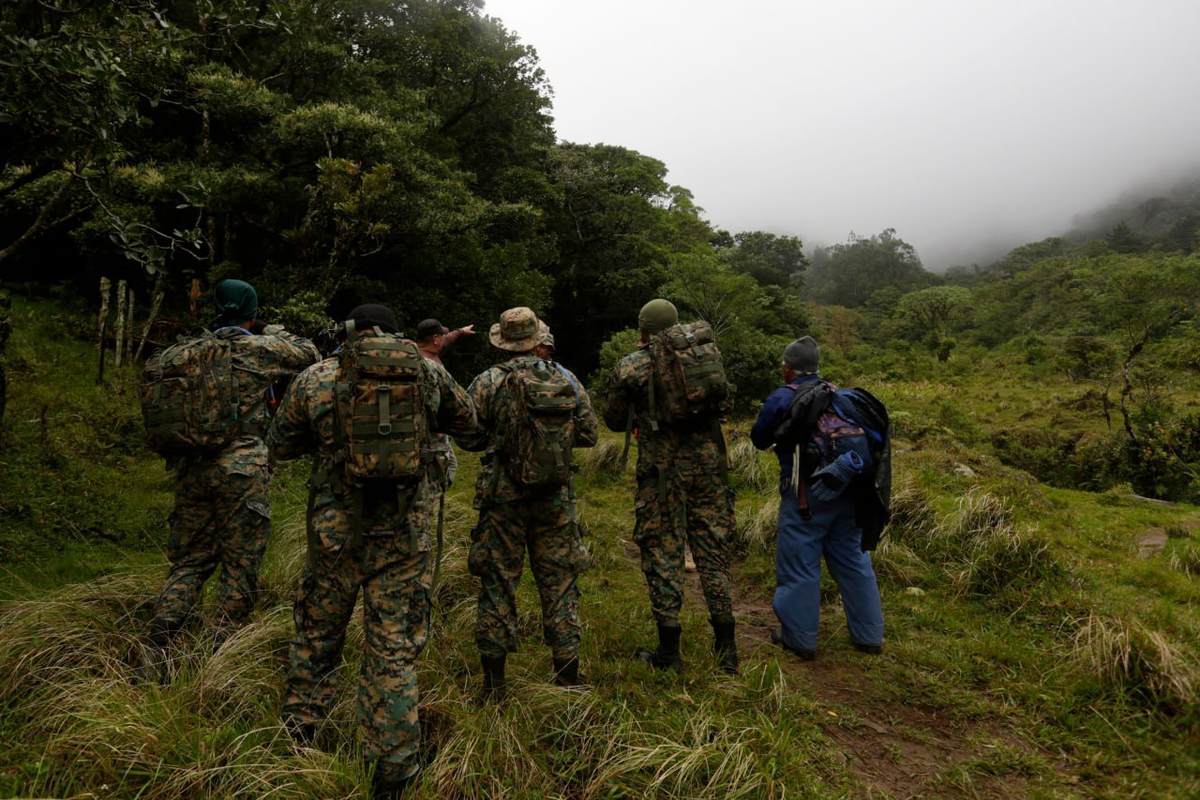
800, 545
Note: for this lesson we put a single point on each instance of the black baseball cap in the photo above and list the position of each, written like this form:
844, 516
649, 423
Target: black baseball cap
427, 328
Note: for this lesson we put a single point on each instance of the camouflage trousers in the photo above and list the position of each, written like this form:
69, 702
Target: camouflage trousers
689, 508
394, 576
222, 518
557, 556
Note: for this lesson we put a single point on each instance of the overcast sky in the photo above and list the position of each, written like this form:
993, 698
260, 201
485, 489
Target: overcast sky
955, 122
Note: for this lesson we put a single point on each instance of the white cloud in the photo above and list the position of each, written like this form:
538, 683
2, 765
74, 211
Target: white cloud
952, 121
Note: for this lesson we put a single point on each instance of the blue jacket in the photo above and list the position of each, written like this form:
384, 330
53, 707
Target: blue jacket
775, 411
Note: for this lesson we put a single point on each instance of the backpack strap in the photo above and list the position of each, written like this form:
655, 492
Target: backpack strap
628, 438
723, 463
653, 406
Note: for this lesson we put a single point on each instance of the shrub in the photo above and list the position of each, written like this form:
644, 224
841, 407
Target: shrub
1164, 462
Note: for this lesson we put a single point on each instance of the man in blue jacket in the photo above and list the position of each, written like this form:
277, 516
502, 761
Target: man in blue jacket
816, 514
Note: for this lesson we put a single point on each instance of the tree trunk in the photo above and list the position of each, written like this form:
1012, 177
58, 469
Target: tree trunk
5, 330
105, 290
154, 304
119, 328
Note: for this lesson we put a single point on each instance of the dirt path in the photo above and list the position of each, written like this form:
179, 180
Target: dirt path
893, 750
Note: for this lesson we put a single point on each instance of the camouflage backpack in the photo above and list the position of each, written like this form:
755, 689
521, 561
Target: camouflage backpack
536, 444
190, 397
381, 421
688, 384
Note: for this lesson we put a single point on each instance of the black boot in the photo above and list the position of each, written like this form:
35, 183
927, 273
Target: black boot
301, 733
566, 673
156, 655
725, 644
386, 788
667, 655
494, 685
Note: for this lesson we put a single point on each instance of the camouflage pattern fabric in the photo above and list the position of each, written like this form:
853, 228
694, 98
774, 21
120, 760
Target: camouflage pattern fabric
557, 556
514, 519
222, 514
386, 554
681, 498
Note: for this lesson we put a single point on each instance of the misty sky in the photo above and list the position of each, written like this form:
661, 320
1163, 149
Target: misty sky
956, 122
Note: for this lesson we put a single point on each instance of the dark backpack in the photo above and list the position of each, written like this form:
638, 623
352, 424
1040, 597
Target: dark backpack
190, 398
381, 422
819, 409
688, 383
535, 446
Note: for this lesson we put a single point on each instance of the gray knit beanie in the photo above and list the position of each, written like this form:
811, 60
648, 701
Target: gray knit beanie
803, 355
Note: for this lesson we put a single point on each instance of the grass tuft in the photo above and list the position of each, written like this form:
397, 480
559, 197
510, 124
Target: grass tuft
751, 468
604, 458
756, 529
913, 516
1138, 661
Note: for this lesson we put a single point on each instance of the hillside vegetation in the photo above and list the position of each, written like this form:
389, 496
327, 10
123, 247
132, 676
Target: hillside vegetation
1039, 577
1040, 640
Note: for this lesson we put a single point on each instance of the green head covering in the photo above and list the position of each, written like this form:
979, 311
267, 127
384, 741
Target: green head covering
235, 301
657, 315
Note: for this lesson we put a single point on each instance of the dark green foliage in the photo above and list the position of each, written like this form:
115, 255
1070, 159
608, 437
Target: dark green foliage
1122, 239
770, 259
1062, 457
848, 274
1164, 461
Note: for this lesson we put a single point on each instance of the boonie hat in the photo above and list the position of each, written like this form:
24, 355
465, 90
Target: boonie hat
518, 330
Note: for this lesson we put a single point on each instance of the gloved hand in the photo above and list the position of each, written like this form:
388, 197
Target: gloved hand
829, 482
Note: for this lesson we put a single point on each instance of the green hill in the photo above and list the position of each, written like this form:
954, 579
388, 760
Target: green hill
1040, 640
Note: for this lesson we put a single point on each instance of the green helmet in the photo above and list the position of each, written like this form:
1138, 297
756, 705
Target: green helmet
657, 316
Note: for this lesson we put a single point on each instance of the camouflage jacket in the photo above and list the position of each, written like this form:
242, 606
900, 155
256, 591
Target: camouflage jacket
695, 449
307, 424
491, 403
259, 361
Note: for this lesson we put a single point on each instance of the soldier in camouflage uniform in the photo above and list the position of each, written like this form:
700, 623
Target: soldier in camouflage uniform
222, 513
682, 499
385, 551
514, 518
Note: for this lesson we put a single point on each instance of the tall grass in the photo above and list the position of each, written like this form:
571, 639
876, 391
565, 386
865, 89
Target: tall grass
751, 468
1140, 662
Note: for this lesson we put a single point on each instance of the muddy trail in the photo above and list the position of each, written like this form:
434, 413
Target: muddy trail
892, 749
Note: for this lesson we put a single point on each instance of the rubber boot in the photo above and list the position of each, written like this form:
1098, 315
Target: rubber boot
725, 644
667, 655
566, 674
494, 685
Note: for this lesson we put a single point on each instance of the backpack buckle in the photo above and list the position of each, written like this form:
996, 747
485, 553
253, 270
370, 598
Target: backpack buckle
385, 411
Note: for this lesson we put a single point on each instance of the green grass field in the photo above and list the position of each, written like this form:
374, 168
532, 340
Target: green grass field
1040, 641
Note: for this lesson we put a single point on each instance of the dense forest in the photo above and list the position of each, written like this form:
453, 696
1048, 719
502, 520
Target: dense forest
346, 151
335, 152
